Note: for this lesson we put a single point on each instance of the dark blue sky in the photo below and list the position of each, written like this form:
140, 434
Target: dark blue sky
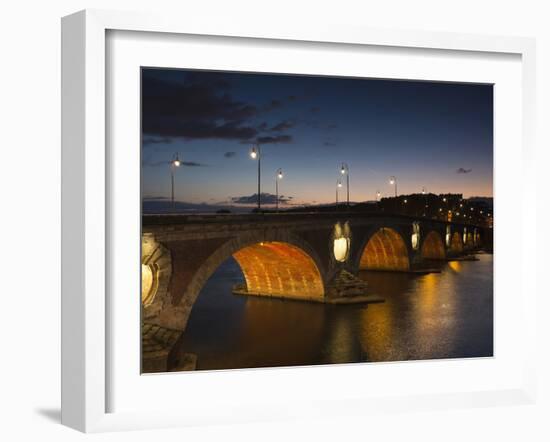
433, 135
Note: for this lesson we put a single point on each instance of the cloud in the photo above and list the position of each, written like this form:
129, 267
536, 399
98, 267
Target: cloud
193, 164
146, 163
229, 154
265, 198
277, 139
462, 170
283, 125
146, 141
200, 107
279, 127
196, 129
155, 198
329, 143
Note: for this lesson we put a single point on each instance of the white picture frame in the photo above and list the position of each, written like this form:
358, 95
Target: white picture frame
86, 352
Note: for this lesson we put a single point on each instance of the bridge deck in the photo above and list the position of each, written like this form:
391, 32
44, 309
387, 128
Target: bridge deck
207, 218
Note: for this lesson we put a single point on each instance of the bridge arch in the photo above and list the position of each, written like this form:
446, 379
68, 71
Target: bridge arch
456, 243
281, 269
432, 246
274, 263
385, 250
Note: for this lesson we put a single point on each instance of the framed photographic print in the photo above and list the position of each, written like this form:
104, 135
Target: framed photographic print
250, 213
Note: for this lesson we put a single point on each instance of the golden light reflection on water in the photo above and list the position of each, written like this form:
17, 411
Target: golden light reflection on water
438, 315
433, 323
455, 266
341, 341
376, 331
378, 322
422, 321
428, 294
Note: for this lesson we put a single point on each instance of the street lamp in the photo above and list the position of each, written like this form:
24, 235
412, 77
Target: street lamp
345, 171
338, 186
173, 164
378, 195
425, 200
277, 178
256, 153
393, 181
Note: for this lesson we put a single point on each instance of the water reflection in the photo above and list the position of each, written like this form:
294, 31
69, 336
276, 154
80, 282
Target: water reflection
437, 315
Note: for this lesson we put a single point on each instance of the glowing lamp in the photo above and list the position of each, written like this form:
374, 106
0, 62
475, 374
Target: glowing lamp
340, 249
147, 280
415, 241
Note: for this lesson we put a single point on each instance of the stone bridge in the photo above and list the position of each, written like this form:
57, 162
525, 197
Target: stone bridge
298, 256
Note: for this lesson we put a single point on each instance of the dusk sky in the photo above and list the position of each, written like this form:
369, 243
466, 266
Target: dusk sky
433, 135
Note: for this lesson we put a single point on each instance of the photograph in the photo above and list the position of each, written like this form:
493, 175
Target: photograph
302, 220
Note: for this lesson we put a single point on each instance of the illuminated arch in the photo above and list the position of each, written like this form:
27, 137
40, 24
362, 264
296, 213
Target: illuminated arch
385, 250
280, 269
456, 243
433, 247
276, 261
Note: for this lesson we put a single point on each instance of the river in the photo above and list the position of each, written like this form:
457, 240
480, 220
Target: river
432, 316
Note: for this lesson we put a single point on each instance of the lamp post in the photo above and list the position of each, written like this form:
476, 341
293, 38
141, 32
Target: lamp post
393, 181
338, 186
345, 171
378, 194
173, 164
425, 200
277, 178
256, 153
